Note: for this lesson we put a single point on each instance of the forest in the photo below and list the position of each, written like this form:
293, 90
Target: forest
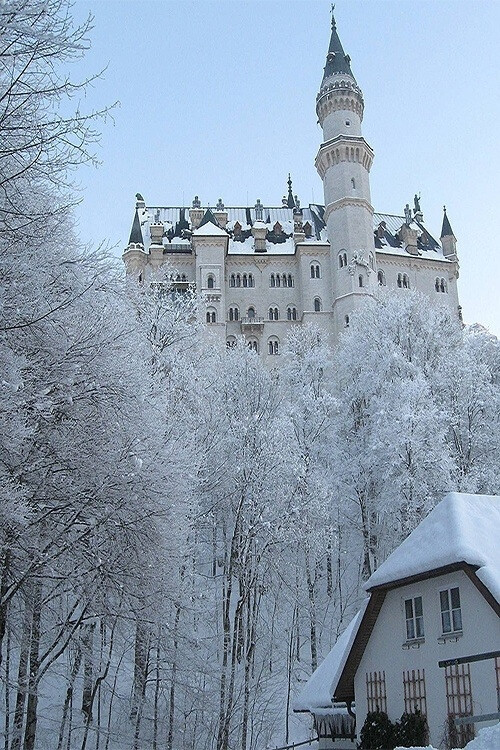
184, 533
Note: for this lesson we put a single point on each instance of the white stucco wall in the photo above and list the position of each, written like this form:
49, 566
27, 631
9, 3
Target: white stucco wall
388, 650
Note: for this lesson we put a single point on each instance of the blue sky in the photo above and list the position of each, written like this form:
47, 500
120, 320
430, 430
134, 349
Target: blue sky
217, 98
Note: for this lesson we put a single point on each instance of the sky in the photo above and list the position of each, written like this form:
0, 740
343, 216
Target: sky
216, 98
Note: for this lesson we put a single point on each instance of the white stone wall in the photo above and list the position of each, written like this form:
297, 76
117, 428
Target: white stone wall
387, 650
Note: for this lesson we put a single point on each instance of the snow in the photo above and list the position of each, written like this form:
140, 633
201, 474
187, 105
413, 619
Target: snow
209, 230
461, 528
318, 691
488, 738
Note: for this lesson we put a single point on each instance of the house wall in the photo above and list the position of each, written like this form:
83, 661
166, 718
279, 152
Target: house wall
388, 651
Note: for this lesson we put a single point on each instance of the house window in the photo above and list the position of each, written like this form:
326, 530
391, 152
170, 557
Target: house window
210, 282
315, 271
291, 313
459, 703
273, 313
414, 616
211, 317
317, 304
273, 346
414, 691
451, 613
376, 695
381, 278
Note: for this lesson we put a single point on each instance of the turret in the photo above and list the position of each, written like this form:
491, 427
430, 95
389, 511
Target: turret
448, 239
343, 162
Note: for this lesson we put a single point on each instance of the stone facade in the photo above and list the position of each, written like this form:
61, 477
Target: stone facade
262, 269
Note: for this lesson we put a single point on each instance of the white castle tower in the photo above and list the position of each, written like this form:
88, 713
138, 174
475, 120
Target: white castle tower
343, 162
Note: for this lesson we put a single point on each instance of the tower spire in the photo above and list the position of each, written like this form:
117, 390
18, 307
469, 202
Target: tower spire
336, 59
446, 230
290, 201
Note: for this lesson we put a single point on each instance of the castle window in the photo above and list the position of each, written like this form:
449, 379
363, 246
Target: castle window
372, 262
291, 313
140, 278
278, 280
353, 183
273, 313
184, 277
251, 313
273, 280
211, 316
245, 280
250, 280
231, 342
346, 321
234, 313
315, 271
285, 280
406, 281
253, 345
232, 280
307, 229
317, 304
290, 280
400, 280
437, 285
443, 286
342, 259
360, 281
238, 280
381, 278
210, 281
273, 346
348, 122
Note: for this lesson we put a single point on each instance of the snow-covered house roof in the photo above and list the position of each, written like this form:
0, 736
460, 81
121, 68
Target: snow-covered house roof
468, 530
321, 686
461, 532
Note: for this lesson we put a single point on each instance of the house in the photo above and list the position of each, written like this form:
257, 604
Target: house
428, 635
262, 269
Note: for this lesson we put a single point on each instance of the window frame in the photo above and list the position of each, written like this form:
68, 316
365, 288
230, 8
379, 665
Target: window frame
414, 622
454, 613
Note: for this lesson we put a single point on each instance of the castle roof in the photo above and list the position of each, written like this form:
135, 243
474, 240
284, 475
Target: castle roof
337, 61
136, 231
446, 230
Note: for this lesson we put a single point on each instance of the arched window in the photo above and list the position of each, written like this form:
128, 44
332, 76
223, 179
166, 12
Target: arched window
290, 280
317, 304
400, 280
210, 281
291, 313
251, 313
253, 345
443, 286
372, 262
230, 342
360, 281
278, 280
353, 183
273, 280
211, 317
250, 280
381, 278
178, 278
140, 278
406, 281
285, 280
346, 321
273, 346
315, 271
184, 277
232, 280
245, 280
437, 285
234, 313
238, 280
273, 313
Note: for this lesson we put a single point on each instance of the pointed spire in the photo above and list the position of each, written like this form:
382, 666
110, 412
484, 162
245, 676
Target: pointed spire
208, 218
336, 59
136, 232
290, 202
446, 230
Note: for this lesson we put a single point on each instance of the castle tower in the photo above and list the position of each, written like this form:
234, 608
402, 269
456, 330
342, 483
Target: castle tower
344, 160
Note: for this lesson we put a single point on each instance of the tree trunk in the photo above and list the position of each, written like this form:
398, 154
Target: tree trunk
69, 697
31, 712
22, 680
171, 707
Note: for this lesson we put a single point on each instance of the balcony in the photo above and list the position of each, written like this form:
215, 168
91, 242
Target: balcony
252, 324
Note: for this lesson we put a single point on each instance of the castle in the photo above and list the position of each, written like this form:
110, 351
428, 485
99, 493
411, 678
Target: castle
261, 269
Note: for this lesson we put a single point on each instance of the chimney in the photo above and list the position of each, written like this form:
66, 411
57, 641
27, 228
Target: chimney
196, 213
220, 214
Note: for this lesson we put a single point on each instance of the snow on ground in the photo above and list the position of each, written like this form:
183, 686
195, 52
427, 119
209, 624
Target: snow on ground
488, 738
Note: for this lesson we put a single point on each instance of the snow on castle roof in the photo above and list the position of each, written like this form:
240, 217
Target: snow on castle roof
461, 528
